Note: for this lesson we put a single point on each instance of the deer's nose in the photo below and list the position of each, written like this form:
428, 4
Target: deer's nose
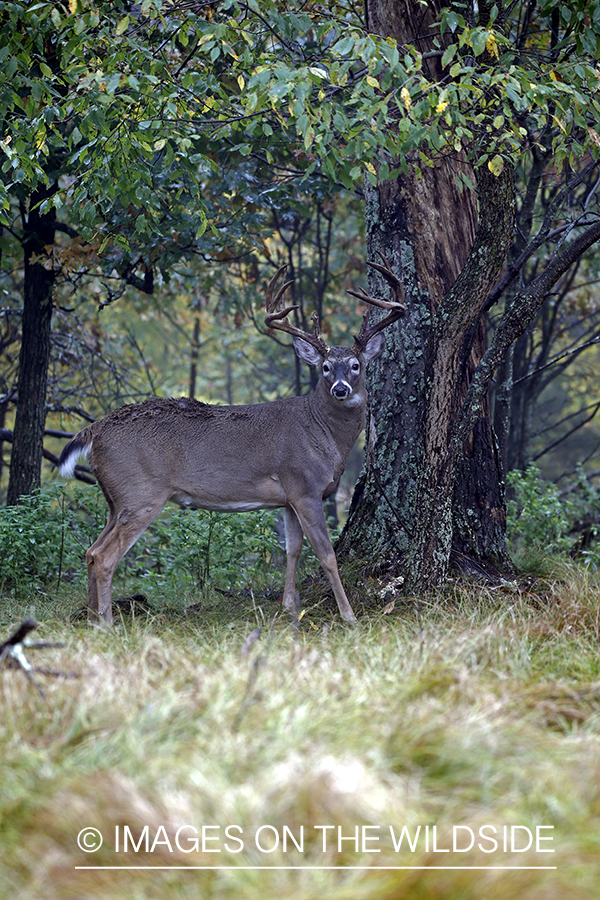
340, 390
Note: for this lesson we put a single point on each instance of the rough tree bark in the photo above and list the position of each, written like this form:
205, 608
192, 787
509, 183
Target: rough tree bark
459, 311
415, 498
30, 417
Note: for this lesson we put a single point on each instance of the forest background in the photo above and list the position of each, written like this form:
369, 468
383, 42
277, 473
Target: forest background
159, 162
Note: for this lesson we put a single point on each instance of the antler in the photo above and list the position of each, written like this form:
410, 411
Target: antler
276, 318
396, 307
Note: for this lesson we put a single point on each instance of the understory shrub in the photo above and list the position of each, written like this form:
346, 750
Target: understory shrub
543, 518
43, 541
536, 515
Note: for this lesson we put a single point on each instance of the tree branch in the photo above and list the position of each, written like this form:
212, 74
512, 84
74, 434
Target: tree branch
463, 303
595, 407
541, 236
513, 323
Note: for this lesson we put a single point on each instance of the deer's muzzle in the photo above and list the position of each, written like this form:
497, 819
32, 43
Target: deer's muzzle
341, 390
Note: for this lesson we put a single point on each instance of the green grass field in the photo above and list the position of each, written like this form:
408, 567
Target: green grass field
284, 765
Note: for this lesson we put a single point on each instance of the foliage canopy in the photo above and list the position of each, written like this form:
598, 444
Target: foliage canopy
134, 113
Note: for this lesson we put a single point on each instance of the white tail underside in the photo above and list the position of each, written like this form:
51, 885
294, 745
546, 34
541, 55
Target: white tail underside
67, 466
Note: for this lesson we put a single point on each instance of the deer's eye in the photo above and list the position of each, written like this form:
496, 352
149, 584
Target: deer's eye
326, 368
355, 366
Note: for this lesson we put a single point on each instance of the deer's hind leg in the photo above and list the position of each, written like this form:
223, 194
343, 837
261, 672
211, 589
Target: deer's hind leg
293, 547
122, 530
95, 614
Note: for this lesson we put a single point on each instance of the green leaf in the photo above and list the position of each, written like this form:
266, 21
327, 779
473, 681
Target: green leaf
478, 41
302, 124
453, 20
141, 224
449, 54
203, 224
344, 46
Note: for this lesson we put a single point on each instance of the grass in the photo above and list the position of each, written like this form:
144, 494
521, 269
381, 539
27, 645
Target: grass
480, 710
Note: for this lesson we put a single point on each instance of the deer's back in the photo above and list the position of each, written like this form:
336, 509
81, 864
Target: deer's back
219, 457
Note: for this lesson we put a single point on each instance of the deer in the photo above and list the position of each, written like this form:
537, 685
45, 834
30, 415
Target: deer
284, 454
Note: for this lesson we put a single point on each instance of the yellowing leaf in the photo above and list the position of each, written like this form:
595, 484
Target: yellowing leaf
594, 136
405, 97
372, 81
441, 106
370, 167
72, 7
495, 165
491, 45
241, 81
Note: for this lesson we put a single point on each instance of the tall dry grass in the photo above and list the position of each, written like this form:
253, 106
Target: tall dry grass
481, 709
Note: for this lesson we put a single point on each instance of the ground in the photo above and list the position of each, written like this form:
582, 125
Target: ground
439, 750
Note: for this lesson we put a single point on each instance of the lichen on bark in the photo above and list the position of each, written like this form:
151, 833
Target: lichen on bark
408, 507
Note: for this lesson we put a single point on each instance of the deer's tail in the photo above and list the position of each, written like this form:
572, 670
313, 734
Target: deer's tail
79, 446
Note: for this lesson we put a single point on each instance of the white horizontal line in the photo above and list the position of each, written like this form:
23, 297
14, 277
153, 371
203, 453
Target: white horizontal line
320, 868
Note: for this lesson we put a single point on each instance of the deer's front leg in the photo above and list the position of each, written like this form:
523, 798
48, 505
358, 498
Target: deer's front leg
312, 519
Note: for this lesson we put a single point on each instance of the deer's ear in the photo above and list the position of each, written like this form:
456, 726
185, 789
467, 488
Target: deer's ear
307, 352
373, 348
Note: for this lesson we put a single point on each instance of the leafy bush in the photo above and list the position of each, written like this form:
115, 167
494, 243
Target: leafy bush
542, 518
26, 541
537, 517
206, 547
584, 506
44, 538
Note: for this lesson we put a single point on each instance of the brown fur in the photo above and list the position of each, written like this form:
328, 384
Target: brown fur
286, 454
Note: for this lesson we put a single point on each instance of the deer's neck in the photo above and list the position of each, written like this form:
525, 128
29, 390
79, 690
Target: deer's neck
342, 421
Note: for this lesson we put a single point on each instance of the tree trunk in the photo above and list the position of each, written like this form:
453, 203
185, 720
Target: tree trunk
412, 502
195, 351
3, 409
478, 504
34, 357
403, 220
446, 375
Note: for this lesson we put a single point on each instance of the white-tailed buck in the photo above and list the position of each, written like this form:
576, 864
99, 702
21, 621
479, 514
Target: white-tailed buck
286, 454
